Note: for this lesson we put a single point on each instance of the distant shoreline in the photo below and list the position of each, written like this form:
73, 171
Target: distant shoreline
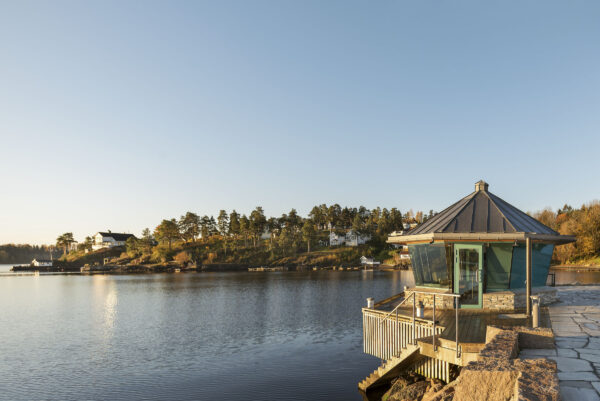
575, 268
172, 268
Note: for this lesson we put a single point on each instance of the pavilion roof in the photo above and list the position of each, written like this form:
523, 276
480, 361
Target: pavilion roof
481, 215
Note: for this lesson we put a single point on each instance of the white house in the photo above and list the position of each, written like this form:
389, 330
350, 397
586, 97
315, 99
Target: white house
368, 261
109, 240
41, 262
336, 239
355, 239
351, 238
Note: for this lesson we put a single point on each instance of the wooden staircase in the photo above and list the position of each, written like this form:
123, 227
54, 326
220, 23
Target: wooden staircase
390, 367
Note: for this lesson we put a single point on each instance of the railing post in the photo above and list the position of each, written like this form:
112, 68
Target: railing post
414, 339
456, 302
398, 334
433, 337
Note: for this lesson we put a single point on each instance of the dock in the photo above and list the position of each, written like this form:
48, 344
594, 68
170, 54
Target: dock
428, 346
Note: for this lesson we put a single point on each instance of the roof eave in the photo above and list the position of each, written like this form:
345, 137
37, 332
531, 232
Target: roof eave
518, 236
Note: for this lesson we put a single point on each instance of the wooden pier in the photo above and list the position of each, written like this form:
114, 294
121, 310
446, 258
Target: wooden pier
394, 334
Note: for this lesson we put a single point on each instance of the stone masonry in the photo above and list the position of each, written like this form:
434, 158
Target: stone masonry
576, 325
511, 300
498, 301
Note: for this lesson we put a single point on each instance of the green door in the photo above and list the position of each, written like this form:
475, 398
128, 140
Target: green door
468, 274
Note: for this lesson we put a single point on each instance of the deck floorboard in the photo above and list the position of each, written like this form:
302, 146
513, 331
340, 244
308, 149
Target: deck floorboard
472, 324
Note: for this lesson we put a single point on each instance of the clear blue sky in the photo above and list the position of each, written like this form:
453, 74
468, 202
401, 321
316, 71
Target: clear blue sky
114, 115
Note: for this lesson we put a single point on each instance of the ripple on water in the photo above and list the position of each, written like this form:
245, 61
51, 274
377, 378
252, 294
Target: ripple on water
235, 336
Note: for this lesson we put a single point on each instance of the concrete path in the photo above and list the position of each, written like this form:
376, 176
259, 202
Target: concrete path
576, 325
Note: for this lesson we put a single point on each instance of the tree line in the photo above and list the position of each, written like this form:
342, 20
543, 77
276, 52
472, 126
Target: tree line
583, 223
16, 254
232, 232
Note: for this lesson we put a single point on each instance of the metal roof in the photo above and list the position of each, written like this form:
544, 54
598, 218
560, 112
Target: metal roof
481, 212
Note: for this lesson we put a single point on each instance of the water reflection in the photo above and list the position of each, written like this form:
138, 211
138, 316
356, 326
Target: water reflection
573, 277
205, 336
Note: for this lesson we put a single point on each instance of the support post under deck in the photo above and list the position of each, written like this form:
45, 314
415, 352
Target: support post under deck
528, 267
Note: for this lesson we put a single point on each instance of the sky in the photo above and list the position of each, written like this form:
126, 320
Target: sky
117, 114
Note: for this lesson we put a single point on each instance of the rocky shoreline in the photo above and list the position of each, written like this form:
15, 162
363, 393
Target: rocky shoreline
177, 268
499, 374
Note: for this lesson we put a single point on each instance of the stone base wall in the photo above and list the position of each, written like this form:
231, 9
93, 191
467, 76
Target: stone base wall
441, 302
499, 301
511, 300
498, 376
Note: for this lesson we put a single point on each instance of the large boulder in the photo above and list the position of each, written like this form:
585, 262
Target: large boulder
538, 380
404, 390
435, 386
444, 394
412, 392
404, 380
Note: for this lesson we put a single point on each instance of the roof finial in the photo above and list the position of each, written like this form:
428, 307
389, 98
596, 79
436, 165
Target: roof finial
481, 186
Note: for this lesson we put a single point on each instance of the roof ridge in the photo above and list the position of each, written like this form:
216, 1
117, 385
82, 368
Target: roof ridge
440, 215
487, 193
520, 213
471, 196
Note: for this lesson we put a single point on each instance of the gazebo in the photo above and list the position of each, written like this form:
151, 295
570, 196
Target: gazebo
481, 247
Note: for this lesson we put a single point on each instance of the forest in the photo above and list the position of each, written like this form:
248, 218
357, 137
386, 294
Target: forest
255, 238
17, 254
584, 224
232, 237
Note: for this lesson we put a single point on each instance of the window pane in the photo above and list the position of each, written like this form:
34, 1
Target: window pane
497, 273
540, 263
429, 264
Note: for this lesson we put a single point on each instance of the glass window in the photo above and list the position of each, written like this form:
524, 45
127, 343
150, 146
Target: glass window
497, 272
540, 264
431, 265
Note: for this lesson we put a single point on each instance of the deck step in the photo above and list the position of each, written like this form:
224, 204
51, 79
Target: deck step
382, 373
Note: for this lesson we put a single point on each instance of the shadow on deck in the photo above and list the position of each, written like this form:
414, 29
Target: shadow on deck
472, 323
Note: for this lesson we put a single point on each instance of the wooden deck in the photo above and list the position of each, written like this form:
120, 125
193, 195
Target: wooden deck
472, 323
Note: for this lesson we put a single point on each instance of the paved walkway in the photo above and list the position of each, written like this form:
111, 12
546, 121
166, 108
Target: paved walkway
576, 325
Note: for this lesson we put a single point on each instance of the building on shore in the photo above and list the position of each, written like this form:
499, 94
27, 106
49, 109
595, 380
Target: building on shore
479, 247
110, 240
369, 262
350, 238
37, 262
479, 264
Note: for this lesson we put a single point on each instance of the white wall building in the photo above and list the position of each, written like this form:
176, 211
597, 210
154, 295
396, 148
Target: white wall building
351, 238
355, 239
109, 240
369, 261
336, 239
41, 262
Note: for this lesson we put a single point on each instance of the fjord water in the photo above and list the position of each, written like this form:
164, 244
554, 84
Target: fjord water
192, 336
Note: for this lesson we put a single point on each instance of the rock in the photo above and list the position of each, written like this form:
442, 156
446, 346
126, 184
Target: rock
535, 337
572, 364
492, 379
503, 344
445, 394
537, 380
412, 392
435, 386
404, 380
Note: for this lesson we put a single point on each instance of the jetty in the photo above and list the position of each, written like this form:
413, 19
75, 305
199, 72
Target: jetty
268, 269
480, 268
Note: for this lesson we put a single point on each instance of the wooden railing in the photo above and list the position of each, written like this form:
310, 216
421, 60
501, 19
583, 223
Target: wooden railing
386, 337
386, 334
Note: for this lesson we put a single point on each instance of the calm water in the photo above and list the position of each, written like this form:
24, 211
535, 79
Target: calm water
566, 277
205, 336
